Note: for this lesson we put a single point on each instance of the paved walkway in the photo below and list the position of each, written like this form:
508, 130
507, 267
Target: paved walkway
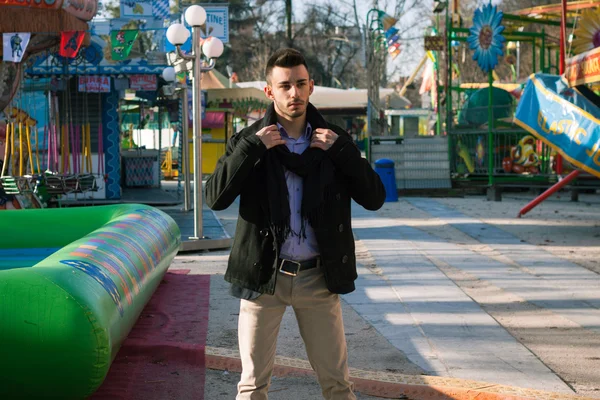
443, 304
422, 312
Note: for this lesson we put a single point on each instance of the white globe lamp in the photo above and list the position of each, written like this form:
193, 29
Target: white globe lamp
168, 74
195, 15
177, 34
212, 47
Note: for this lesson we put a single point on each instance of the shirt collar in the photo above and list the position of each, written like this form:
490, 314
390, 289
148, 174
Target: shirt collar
307, 132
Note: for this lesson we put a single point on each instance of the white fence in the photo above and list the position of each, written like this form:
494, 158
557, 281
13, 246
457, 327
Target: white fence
420, 163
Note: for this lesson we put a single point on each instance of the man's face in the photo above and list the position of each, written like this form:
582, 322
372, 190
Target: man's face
290, 88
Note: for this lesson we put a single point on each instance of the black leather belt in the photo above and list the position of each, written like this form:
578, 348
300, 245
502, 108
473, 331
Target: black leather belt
291, 267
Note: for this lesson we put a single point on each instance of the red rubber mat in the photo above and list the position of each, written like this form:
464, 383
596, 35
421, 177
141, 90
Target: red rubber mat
163, 357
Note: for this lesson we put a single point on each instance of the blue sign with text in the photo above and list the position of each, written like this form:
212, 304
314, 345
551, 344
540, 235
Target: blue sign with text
563, 118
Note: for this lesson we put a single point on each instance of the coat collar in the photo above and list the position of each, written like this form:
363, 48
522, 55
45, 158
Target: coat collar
313, 116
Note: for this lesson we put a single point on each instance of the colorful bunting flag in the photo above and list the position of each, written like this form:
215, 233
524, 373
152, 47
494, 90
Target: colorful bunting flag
121, 43
393, 39
14, 46
391, 32
70, 42
387, 21
181, 77
394, 50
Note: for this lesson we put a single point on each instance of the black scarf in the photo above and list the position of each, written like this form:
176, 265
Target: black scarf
317, 171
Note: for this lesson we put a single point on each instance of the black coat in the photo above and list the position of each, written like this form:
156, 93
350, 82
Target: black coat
253, 259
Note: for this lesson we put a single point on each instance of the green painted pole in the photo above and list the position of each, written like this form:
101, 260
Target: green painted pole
448, 73
533, 55
490, 131
522, 19
543, 53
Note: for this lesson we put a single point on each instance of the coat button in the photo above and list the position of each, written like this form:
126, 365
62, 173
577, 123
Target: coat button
340, 227
338, 196
344, 259
264, 232
255, 264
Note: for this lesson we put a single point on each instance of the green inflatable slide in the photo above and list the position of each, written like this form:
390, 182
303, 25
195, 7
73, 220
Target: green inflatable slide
73, 282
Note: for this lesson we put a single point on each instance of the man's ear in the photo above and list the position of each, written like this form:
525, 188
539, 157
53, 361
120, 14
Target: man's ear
311, 86
269, 92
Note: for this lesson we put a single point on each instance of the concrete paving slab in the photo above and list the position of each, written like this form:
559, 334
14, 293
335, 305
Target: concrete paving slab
449, 334
566, 289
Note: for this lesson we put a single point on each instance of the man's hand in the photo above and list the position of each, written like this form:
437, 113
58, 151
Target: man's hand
270, 136
323, 138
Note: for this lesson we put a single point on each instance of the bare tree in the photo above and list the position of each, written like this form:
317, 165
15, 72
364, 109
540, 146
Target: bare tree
253, 39
332, 46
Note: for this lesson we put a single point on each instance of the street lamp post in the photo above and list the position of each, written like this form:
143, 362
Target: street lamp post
212, 48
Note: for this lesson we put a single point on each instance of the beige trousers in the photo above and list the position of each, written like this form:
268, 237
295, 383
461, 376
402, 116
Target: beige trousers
319, 316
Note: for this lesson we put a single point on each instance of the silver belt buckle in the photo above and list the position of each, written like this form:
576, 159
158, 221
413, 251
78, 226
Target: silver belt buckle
283, 261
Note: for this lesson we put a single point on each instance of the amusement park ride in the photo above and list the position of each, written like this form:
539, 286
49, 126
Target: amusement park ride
33, 163
487, 145
556, 120
497, 128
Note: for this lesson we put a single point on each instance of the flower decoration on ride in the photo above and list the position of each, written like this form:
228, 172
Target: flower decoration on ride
587, 34
486, 37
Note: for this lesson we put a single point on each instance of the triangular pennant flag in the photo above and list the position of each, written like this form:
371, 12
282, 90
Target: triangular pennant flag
393, 39
388, 21
121, 43
391, 32
395, 50
70, 42
181, 77
14, 46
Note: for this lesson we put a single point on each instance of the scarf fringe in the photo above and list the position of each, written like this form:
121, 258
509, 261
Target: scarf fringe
315, 216
281, 232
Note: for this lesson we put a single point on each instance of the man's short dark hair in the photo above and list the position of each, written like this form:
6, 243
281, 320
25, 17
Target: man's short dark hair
285, 58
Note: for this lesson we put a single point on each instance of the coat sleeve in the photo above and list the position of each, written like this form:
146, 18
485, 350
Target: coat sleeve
232, 170
364, 183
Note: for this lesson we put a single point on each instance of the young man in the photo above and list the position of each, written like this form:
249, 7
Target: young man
295, 175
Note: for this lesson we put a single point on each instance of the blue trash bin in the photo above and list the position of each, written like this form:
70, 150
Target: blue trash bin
385, 169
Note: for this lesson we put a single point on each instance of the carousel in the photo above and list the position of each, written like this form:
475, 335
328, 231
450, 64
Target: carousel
25, 151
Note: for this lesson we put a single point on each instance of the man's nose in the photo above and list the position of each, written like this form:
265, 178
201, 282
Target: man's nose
293, 90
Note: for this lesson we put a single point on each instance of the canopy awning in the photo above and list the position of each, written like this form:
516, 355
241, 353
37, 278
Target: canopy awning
554, 11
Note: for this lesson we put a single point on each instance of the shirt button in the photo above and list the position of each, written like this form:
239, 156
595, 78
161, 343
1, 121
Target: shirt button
340, 227
264, 232
344, 259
